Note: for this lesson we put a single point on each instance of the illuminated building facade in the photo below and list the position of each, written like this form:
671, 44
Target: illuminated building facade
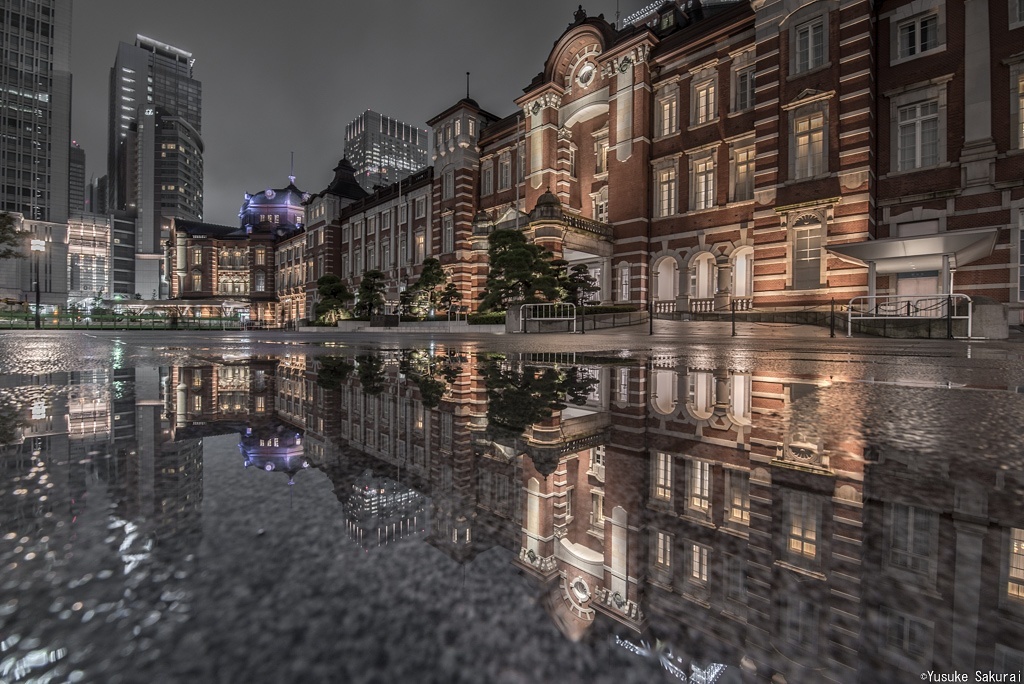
384, 150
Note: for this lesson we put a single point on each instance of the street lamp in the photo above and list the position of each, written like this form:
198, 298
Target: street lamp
37, 246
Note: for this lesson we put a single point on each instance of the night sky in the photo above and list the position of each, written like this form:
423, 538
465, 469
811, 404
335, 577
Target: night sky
287, 76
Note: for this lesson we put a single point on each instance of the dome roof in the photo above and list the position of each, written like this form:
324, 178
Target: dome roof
286, 196
548, 199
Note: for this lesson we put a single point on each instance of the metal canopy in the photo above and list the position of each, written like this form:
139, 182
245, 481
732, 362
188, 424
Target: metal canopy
921, 252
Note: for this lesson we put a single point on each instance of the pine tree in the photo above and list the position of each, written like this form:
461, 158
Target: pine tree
11, 246
518, 271
371, 294
334, 296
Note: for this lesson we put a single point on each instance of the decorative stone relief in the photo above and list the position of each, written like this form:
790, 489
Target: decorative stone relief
853, 179
765, 195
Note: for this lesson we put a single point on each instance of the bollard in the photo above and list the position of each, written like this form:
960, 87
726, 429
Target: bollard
949, 317
832, 320
733, 304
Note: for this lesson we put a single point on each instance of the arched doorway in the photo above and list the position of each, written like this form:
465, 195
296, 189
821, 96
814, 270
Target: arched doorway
666, 285
742, 285
703, 273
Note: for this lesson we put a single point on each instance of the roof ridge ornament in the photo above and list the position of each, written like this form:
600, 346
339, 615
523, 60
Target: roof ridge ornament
579, 16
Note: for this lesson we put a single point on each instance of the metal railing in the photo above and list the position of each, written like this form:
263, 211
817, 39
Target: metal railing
951, 307
547, 312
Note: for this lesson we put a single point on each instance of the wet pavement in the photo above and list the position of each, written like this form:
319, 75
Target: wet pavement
683, 506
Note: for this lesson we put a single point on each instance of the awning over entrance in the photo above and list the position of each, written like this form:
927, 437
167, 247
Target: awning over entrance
921, 252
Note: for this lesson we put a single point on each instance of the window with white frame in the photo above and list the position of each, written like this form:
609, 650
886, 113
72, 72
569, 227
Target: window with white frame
421, 207
1015, 566
663, 476
486, 178
807, 243
371, 258
505, 171
666, 188
808, 144
520, 162
809, 45
600, 200
742, 173
448, 185
668, 114
702, 186
624, 284
918, 135
662, 550
743, 84
698, 486
448, 235
597, 509
704, 103
738, 495
802, 525
572, 161
1017, 103
735, 581
601, 155
261, 281
1016, 13
800, 618
912, 539
918, 35
698, 570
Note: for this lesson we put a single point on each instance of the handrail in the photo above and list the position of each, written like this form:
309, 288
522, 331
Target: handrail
588, 225
556, 311
873, 307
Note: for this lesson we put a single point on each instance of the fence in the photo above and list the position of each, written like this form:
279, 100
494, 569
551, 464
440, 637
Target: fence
17, 321
952, 307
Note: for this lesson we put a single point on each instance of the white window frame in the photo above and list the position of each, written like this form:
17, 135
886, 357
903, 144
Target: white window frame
806, 55
917, 119
448, 233
910, 548
741, 172
914, 94
504, 172
702, 183
662, 476
704, 98
487, 178
909, 36
668, 111
448, 184
1014, 587
1017, 103
737, 486
1016, 13
808, 126
662, 550
806, 223
699, 480
625, 283
667, 190
803, 527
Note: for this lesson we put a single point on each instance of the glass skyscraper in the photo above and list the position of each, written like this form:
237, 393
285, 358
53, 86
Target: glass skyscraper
384, 150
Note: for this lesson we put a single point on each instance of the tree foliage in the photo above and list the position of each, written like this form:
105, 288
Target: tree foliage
424, 296
519, 271
334, 298
11, 246
371, 294
578, 284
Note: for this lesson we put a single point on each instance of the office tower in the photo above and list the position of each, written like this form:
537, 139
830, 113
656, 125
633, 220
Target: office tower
384, 150
155, 150
76, 180
35, 108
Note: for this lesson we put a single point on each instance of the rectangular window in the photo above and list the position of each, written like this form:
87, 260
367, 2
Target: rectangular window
699, 486
704, 184
504, 172
261, 281
261, 257
663, 476
738, 494
667, 116
197, 257
807, 257
421, 207
666, 192
810, 45
919, 35
744, 89
735, 581
449, 235
448, 185
743, 174
197, 282
910, 538
597, 509
907, 636
487, 180
698, 564
662, 550
809, 139
704, 103
1020, 107
1015, 575
421, 248
919, 135
802, 522
624, 285
601, 156
572, 162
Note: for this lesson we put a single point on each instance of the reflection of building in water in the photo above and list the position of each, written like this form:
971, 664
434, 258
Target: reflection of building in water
274, 448
379, 510
706, 513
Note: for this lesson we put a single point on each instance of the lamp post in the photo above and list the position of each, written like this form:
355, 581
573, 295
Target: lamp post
37, 247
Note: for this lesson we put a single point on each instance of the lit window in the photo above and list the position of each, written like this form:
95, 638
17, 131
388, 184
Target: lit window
601, 155
919, 135
802, 522
667, 116
743, 174
662, 550
699, 486
197, 282
919, 35
809, 145
698, 563
663, 476
739, 497
704, 103
704, 183
666, 192
597, 509
1015, 575
261, 257
810, 45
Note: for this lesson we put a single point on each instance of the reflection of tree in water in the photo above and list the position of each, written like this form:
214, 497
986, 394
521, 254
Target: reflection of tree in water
371, 373
431, 373
10, 424
518, 397
334, 371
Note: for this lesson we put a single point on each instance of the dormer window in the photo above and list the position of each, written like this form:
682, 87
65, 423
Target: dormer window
667, 21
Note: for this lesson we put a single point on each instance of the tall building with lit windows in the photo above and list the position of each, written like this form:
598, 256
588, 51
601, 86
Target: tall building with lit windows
155, 150
35, 108
384, 150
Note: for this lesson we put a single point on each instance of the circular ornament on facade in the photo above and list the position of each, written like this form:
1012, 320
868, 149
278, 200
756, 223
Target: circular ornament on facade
270, 193
625, 64
580, 589
586, 74
305, 197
